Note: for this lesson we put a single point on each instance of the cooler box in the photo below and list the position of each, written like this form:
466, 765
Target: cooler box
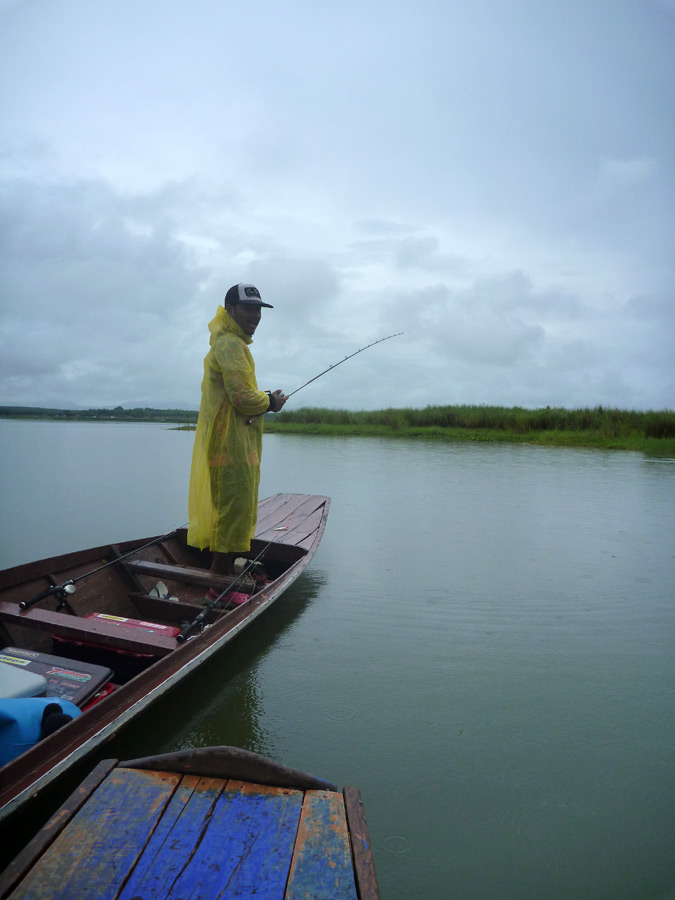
137, 624
16, 681
66, 678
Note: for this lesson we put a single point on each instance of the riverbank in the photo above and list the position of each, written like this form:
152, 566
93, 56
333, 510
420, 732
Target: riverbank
652, 446
651, 432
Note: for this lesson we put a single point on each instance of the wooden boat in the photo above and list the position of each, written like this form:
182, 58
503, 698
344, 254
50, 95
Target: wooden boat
216, 822
127, 634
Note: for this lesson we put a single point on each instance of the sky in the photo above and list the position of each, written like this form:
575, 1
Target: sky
493, 178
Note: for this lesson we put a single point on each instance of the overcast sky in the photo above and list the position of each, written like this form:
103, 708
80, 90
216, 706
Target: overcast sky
495, 178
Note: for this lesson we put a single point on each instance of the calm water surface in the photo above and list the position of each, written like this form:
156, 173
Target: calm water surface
483, 644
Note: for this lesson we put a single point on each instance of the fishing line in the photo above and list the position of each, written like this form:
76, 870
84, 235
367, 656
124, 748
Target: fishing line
335, 365
62, 591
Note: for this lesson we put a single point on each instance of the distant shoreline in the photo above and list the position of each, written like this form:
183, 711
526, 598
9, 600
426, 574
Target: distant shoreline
651, 432
117, 414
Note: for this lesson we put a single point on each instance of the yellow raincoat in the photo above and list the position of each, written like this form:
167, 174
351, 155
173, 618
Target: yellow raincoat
223, 499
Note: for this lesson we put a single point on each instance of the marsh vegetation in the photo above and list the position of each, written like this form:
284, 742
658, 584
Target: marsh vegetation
652, 430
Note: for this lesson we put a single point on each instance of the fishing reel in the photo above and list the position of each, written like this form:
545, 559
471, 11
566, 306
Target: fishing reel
60, 591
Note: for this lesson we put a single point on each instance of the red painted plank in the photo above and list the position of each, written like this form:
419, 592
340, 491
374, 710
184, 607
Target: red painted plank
322, 862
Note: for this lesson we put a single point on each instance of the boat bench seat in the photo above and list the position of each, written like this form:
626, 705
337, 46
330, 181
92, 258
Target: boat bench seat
186, 574
92, 631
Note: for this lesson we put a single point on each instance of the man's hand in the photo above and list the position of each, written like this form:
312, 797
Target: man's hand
279, 400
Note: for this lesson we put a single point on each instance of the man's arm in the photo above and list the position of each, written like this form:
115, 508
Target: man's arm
238, 379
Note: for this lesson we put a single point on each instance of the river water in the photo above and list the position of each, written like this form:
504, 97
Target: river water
483, 644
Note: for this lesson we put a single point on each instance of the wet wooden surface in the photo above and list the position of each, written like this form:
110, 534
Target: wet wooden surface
158, 835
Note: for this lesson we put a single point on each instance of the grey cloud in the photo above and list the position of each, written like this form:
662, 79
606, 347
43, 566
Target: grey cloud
495, 180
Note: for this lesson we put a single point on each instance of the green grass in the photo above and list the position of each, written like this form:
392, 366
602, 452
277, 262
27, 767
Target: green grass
651, 431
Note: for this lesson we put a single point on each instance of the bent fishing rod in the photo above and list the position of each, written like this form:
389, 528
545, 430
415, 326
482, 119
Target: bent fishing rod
335, 365
63, 591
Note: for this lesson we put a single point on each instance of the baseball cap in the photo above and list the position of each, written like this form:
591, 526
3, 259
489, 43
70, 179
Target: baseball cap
245, 293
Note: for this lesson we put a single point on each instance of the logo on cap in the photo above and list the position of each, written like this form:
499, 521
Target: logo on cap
251, 291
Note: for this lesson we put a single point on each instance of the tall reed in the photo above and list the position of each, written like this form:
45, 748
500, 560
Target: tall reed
600, 420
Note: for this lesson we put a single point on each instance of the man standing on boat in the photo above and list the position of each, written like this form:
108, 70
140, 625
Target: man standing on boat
223, 499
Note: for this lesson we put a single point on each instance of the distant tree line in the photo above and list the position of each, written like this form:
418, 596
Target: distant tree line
118, 414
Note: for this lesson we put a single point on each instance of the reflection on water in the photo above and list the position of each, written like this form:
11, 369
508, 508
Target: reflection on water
483, 644
221, 703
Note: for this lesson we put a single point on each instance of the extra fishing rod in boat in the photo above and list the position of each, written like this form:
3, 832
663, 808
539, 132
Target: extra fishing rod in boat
215, 604
63, 591
335, 365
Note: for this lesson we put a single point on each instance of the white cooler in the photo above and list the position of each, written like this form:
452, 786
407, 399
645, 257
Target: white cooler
16, 681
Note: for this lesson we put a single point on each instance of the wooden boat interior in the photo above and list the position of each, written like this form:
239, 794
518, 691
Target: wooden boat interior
127, 615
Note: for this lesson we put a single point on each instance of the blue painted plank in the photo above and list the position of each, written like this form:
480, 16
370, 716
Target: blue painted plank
322, 866
174, 839
247, 847
93, 855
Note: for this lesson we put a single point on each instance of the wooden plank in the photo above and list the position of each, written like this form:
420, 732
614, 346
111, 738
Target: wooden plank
125, 572
94, 855
270, 507
308, 542
364, 864
32, 571
158, 609
296, 529
174, 840
21, 864
246, 849
293, 505
168, 552
186, 574
298, 507
93, 631
322, 862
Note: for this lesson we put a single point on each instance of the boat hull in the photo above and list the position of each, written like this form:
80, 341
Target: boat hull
292, 525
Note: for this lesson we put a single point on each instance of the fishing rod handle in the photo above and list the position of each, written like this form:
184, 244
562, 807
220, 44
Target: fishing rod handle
189, 628
58, 590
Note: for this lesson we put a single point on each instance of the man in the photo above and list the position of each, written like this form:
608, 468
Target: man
223, 499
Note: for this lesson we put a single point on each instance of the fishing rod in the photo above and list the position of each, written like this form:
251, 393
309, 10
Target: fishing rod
214, 604
335, 365
63, 591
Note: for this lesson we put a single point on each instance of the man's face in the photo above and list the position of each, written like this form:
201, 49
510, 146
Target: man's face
246, 315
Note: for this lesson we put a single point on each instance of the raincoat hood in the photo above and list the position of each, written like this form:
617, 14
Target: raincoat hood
223, 323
